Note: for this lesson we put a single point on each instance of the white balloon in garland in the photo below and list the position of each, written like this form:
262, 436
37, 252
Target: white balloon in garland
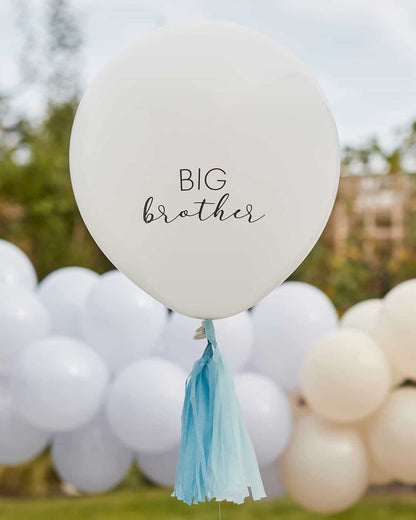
15, 267
120, 321
91, 457
145, 403
19, 440
286, 325
58, 383
64, 293
267, 414
23, 320
235, 338
160, 468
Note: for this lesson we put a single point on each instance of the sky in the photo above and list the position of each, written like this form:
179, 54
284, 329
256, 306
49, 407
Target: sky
362, 52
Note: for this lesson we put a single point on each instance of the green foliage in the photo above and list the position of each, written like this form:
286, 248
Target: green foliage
37, 207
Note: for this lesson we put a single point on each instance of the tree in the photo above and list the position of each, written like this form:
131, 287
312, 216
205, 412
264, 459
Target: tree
37, 206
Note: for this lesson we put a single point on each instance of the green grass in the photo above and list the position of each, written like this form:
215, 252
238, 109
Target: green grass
156, 504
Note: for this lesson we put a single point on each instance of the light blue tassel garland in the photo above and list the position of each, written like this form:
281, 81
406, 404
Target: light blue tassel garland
216, 456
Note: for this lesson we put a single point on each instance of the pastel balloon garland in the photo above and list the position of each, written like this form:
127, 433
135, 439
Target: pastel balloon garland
205, 164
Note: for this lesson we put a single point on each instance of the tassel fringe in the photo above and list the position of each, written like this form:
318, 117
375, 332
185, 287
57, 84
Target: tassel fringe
216, 456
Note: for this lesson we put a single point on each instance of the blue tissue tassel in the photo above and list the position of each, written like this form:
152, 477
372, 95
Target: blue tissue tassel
216, 456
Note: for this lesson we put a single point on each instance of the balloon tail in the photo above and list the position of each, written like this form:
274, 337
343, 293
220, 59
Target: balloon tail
216, 456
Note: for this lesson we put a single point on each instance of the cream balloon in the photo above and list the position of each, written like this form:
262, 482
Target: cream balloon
396, 329
298, 404
391, 435
362, 316
377, 474
345, 376
325, 466
186, 168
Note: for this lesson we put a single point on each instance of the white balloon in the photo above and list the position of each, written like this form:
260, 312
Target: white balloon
91, 458
19, 440
345, 376
391, 435
160, 468
267, 414
272, 480
325, 467
186, 168
64, 293
23, 319
362, 316
396, 330
286, 325
15, 267
58, 383
121, 321
234, 336
145, 403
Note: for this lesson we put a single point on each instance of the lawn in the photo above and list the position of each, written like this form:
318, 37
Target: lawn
157, 505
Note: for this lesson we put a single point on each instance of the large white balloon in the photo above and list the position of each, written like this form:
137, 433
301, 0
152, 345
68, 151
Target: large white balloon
186, 168
64, 293
91, 458
58, 383
23, 319
362, 316
160, 468
19, 440
15, 267
144, 405
267, 414
396, 330
391, 435
286, 325
121, 321
325, 466
234, 336
345, 376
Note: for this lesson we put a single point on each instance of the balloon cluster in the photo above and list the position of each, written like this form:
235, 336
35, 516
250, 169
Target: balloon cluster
358, 423
96, 368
